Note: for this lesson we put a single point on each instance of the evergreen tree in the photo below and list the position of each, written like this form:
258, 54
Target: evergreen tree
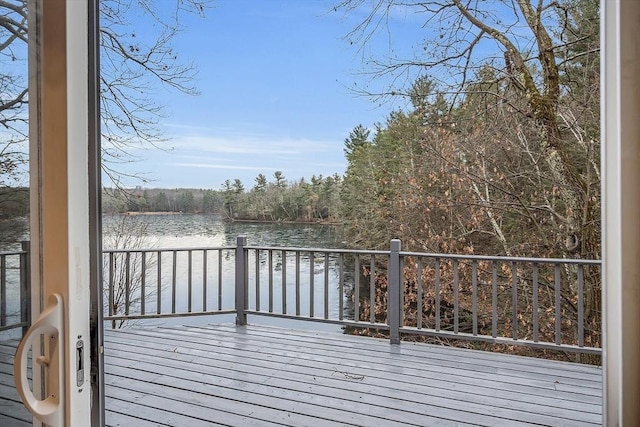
357, 138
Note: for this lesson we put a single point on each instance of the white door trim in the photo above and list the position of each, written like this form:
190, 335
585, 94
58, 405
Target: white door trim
60, 133
620, 100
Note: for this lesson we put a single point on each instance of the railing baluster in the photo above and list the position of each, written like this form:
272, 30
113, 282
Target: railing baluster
514, 301
270, 281
127, 281
159, 296
3, 290
257, 252
437, 291
326, 286
456, 297
419, 292
356, 291
312, 291
474, 295
393, 292
580, 305
536, 320
220, 285
401, 296
341, 286
204, 280
174, 282
558, 286
143, 281
189, 280
297, 283
284, 282
246, 279
241, 281
372, 288
494, 299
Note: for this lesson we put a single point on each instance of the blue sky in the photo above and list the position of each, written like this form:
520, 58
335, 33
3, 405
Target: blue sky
276, 80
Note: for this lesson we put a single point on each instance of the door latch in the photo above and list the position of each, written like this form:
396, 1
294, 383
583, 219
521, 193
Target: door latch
79, 362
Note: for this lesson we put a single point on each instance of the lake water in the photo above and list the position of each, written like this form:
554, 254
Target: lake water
197, 231
190, 230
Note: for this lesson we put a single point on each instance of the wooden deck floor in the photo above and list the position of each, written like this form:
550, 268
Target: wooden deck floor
266, 376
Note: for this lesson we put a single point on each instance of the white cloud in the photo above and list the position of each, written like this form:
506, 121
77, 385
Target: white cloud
219, 166
204, 156
253, 145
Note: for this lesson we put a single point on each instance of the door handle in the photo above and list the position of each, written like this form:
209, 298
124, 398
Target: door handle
50, 323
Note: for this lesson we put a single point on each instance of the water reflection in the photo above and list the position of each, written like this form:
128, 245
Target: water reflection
190, 230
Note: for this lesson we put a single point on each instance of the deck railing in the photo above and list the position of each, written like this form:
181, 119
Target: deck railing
168, 282
533, 302
14, 289
537, 302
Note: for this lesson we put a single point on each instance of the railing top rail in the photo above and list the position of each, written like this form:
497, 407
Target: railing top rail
319, 250
360, 252
504, 258
16, 252
182, 249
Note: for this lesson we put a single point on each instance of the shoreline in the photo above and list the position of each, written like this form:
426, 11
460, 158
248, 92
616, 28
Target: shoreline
255, 221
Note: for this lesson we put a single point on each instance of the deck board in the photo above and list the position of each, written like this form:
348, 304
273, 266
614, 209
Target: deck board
405, 387
266, 376
383, 357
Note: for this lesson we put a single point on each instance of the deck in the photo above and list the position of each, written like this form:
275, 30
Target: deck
266, 376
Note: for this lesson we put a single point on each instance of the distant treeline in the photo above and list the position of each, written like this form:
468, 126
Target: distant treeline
313, 200
161, 200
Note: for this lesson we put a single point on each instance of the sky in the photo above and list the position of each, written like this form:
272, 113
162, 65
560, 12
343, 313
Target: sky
276, 81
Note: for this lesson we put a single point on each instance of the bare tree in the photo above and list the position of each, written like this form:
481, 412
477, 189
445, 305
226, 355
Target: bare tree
125, 272
136, 63
13, 90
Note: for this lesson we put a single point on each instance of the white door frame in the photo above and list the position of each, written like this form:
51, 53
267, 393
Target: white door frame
65, 216
620, 100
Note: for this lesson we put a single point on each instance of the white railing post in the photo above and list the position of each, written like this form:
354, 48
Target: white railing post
394, 290
241, 280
